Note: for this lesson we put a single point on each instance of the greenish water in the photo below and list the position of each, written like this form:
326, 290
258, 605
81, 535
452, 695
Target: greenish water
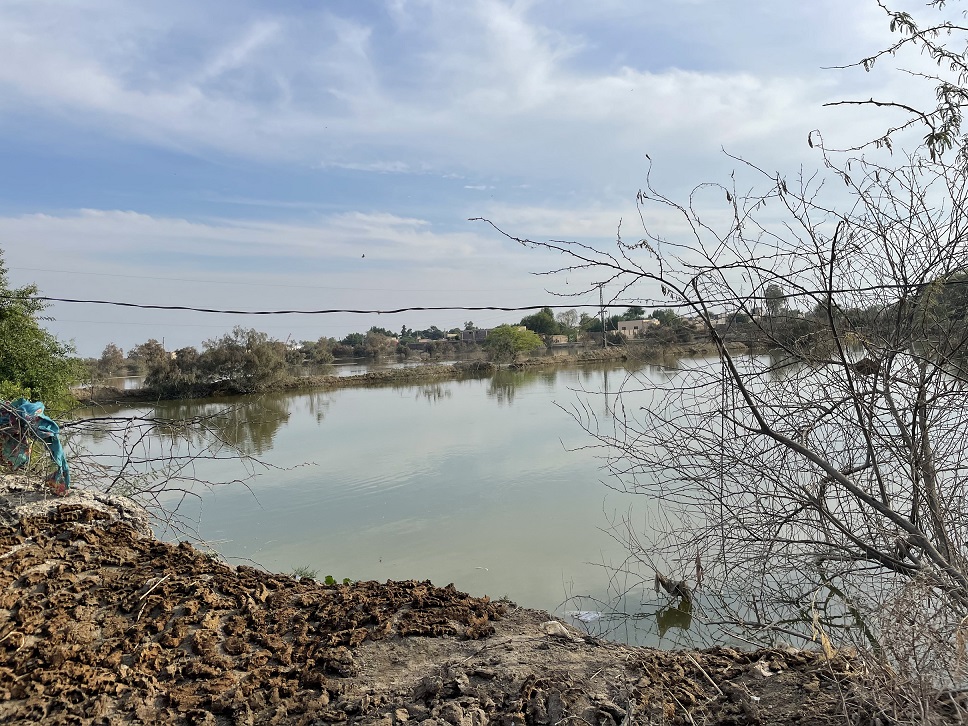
486, 483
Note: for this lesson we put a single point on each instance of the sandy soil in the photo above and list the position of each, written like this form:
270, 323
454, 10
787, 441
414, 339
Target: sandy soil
102, 624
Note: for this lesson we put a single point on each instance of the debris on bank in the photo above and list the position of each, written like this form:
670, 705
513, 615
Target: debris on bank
24, 423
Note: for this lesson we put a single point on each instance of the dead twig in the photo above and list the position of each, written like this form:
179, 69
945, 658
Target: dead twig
703, 671
149, 590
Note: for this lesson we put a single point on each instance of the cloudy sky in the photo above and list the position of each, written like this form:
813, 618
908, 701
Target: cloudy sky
328, 154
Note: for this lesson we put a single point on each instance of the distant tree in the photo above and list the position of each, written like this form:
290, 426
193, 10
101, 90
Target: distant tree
505, 342
323, 350
33, 363
542, 323
378, 345
343, 350
665, 316
775, 299
111, 360
147, 354
354, 339
382, 331
944, 304
187, 357
589, 323
567, 319
293, 355
469, 325
318, 351
432, 333
633, 313
248, 358
176, 376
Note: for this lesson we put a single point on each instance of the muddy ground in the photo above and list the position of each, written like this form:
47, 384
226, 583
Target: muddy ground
102, 624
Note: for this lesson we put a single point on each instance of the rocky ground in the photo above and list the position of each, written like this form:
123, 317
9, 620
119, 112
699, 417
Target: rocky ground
102, 624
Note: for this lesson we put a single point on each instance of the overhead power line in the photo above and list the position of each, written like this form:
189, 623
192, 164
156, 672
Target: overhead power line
645, 304
188, 308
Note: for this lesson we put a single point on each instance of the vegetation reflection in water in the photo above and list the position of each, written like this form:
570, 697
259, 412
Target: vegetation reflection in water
485, 483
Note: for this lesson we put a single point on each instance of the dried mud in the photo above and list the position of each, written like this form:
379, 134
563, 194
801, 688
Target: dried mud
101, 624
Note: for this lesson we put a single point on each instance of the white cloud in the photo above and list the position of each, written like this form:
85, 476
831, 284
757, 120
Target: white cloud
550, 107
101, 234
379, 167
236, 54
487, 86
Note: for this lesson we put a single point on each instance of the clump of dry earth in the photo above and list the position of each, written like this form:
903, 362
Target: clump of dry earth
102, 624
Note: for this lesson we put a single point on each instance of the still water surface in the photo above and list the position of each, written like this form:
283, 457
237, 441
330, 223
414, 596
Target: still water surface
484, 483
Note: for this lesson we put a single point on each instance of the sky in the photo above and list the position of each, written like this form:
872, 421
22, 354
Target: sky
302, 154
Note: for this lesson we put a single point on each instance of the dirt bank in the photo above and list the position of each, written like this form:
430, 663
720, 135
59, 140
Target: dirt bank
102, 624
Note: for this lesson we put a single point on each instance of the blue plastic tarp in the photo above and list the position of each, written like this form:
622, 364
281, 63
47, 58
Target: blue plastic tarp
21, 423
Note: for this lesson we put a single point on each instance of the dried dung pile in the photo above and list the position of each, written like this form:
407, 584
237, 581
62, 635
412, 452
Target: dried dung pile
101, 624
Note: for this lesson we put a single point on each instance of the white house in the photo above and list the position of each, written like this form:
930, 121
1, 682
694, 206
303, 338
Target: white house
636, 328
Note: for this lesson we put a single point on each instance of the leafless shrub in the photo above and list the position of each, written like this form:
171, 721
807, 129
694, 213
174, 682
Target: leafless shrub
820, 474
915, 671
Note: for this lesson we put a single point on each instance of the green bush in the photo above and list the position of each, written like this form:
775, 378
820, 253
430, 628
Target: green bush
243, 361
33, 363
506, 341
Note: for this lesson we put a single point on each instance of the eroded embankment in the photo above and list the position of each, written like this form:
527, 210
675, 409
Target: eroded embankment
102, 624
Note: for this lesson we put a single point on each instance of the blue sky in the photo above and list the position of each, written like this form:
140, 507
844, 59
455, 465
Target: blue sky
242, 154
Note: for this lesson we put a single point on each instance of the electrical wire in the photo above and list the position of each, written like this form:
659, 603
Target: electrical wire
143, 306
469, 308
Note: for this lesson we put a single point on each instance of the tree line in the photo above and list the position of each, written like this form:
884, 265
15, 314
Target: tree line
247, 360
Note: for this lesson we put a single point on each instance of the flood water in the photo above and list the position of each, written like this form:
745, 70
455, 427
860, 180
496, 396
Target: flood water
486, 483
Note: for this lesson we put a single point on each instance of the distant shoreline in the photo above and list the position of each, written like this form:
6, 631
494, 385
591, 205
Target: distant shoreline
429, 372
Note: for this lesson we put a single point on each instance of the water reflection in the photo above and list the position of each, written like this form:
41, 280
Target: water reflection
636, 618
433, 392
500, 499
505, 383
548, 377
782, 366
248, 424
318, 404
678, 615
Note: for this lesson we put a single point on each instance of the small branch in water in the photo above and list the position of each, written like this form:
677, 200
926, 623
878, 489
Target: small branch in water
676, 588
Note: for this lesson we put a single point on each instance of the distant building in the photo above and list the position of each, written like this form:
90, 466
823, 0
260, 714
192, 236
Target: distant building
558, 339
474, 336
636, 328
479, 335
